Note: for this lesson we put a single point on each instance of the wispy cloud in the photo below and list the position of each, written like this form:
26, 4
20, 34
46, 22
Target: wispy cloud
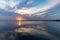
8, 3
12, 4
2, 17
37, 8
28, 7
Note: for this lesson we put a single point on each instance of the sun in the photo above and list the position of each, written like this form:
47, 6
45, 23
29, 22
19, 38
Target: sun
19, 18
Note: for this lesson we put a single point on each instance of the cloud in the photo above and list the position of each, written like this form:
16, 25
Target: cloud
32, 8
37, 8
30, 2
12, 4
5, 4
2, 17
53, 13
2, 4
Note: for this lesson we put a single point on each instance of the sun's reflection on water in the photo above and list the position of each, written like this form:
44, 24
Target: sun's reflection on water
20, 20
19, 23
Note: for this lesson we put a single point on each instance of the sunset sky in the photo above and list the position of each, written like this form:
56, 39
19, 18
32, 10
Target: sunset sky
30, 9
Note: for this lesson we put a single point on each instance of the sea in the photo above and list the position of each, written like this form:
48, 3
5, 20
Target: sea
29, 30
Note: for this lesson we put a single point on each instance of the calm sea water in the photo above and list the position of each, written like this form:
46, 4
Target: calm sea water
48, 28
53, 27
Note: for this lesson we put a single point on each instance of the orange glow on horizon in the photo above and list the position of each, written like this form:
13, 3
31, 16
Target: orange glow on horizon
20, 19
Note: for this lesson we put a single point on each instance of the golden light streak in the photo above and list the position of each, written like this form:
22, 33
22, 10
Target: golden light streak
19, 23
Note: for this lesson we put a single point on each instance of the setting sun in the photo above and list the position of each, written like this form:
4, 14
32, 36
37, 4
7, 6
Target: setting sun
20, 19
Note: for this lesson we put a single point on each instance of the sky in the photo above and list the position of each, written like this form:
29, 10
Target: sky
30, 9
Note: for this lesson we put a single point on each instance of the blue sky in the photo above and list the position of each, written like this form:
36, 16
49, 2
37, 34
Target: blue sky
33, 9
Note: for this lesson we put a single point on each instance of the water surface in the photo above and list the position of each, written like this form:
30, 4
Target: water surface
41, 30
